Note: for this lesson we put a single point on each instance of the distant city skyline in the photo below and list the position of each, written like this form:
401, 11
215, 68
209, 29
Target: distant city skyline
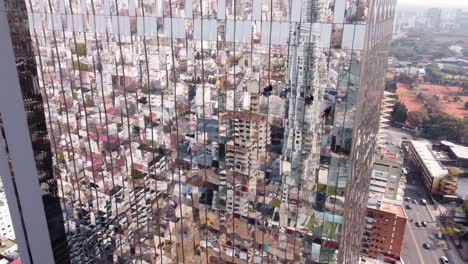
434, 3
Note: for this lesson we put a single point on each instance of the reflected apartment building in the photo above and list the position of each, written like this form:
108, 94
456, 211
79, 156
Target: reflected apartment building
185, 131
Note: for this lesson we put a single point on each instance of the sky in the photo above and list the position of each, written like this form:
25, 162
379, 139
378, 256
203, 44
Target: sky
435, 3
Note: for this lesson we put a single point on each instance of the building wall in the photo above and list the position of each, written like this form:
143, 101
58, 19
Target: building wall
23, 120
461, 20
386, 234
434, 18
388, 101
379, 30
386, 178
6, 226
416, 161
105, 65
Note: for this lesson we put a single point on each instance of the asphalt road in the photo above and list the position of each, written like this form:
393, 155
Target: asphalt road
413, 251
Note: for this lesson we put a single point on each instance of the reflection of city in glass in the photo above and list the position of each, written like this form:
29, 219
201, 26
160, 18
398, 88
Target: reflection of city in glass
210, 131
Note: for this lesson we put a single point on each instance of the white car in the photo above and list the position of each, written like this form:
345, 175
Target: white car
444, 260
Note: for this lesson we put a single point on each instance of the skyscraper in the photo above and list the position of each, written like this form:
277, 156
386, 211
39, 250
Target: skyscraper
434, 18
206, 131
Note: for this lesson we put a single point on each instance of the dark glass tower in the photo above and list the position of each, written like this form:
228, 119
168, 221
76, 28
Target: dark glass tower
32, 101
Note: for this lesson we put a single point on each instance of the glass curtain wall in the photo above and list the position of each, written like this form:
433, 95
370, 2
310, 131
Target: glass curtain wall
207, 131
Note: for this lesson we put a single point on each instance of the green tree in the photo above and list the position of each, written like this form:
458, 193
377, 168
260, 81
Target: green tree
434, 74
441, 54
444, 126
80, 66
399, 113
60, 156
448, 231
275, 203
417, 119
420, 97
464, 133
465, 207
81, 49
390, 85
416, 133
453, 69
136, 174
403, 53
145, 89
405, 78
131, 87
453, 230
89, 102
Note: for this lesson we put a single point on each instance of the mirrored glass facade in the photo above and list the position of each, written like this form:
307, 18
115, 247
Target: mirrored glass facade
209, 131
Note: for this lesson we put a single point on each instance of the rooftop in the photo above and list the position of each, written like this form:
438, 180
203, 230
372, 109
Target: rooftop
368, 260
6, 244
423, 150
460, 151
393, 208
379, 202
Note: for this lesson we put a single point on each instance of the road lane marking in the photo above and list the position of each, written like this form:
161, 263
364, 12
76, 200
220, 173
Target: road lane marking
416, 245
420, 213
424, 233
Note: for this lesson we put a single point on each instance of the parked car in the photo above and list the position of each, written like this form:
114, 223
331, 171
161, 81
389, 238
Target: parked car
424, 223
444, 260
423, 202
408, 206
417, 224
407, 199
427, 246
414, 201
440, 236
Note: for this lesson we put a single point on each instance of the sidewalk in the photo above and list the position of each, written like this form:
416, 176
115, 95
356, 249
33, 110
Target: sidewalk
462, 256
455, 254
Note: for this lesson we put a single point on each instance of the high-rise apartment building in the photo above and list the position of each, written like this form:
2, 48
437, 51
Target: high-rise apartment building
461, 20
6, 226
187, 131
385, 228
434, 18
386, 178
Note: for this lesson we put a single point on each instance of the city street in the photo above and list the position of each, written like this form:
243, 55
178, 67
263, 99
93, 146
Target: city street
413, 251
395, 135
